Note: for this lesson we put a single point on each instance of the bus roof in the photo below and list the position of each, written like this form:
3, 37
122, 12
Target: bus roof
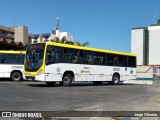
88, 48
12, 52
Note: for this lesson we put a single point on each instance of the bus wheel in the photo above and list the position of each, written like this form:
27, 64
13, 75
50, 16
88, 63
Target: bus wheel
51, 84
67, 80
16, 76
115, 79
97, 82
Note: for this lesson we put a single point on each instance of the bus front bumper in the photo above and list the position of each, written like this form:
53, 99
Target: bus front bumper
40, 77
30, 78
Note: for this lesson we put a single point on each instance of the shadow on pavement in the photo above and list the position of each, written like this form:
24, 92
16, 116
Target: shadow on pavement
5, 80
9, 80
82, 84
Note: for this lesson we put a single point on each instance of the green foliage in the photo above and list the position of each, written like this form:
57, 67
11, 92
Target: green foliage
64, 41
85, 43
52, 40
77, 43
82, 44
57, 40
70, 43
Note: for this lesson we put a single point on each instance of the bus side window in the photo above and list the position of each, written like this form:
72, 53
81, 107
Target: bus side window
75, 56
115, 60
65, 56
70, 55
3, 58
49, 55
122, 60
56, 56
89, 57
99, 58
131, 61
20, 59
106, 59
109, 59
12, 58
95, 59
82, 57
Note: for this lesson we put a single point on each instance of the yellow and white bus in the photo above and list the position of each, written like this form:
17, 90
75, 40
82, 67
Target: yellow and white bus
12, 64
55, 62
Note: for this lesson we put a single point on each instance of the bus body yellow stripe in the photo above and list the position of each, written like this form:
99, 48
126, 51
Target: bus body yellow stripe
12, 52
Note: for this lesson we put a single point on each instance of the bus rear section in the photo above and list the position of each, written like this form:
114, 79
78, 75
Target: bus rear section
54, 62
11, 64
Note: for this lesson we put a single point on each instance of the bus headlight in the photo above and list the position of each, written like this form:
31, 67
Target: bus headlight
39, 72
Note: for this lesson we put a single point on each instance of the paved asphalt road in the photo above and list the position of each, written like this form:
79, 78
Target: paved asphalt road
37, 96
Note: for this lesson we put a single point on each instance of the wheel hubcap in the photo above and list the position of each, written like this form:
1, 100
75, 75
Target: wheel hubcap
16, 77
66, 80
116, 79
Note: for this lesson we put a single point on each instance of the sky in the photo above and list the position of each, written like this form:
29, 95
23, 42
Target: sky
104, 24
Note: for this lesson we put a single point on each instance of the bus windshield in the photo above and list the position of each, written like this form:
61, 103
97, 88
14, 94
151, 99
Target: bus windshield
34, 57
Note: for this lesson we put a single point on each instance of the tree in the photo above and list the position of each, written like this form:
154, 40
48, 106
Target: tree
64, 40
69, 42
82, 44
57, 40
85, 43
52, 40
77, 43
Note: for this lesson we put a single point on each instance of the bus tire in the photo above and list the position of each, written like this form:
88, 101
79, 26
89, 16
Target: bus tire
115, 79
16, 76
50, 84
97, 82
67, 80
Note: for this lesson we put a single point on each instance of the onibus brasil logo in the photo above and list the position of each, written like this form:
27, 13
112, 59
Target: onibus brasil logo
22, 114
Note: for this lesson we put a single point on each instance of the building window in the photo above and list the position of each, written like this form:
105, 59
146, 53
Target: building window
3, 32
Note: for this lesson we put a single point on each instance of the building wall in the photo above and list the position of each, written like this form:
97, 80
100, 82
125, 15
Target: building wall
21, 34
6, 32
69, 37
137, 47
154, 45
16, 34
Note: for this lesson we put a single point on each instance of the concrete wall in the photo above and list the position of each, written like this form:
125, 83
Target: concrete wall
147, 75
154, 45
144, 72
137, 40
21, 34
